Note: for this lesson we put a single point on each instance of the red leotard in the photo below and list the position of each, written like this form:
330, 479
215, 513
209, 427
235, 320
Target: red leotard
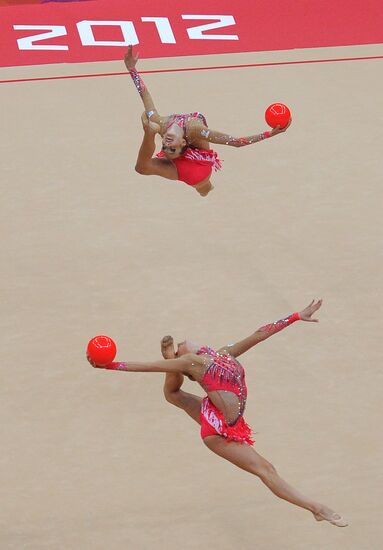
194, 165
224, 374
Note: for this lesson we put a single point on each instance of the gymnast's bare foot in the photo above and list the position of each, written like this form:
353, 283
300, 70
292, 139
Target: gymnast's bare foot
167, 347
326, 514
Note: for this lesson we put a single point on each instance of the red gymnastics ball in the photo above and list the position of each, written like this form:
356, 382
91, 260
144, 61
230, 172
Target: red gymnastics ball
277, 114
101, 350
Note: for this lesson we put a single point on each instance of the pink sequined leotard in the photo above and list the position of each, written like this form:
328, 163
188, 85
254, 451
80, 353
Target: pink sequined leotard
194, 165
182, 119
224, 373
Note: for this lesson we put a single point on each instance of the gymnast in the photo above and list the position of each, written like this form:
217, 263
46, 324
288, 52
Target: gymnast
185, 155
220, 414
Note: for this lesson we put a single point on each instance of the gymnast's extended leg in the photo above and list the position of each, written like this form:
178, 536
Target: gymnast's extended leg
246, 458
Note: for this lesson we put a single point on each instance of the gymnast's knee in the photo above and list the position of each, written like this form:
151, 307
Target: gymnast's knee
172, 397
141, 169
263, 469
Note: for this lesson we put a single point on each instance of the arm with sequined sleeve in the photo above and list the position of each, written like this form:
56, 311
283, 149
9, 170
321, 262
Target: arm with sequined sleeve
268, 330
213, 136
182, 365
130, 62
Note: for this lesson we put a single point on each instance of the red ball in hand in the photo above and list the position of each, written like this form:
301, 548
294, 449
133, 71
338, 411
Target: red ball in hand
101, 350
277, 114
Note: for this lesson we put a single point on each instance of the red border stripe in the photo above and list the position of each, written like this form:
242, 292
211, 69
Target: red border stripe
211, 68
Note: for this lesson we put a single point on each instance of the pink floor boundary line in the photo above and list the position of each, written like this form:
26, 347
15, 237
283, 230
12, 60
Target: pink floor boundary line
210, 68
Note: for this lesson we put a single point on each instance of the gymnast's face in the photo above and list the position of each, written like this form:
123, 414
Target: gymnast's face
172, 144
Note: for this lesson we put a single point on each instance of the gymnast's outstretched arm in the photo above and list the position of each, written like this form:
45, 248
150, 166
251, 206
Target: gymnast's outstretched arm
268, 330
213, 136
130, 62
181, 365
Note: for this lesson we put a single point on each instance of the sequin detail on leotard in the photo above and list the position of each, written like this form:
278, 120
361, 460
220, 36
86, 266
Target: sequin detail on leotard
206, 155
182, 119
224, 373
194, 165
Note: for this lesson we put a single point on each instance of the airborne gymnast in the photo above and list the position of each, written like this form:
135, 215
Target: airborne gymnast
220, 413
185, 155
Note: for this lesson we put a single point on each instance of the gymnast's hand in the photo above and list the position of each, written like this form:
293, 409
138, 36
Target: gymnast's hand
306, 313
278, 130
130, 59
148, 125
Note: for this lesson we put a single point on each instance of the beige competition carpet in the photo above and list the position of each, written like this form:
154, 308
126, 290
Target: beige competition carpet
95, 460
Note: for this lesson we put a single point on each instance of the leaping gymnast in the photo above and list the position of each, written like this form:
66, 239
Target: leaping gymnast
185, 155
220, 414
